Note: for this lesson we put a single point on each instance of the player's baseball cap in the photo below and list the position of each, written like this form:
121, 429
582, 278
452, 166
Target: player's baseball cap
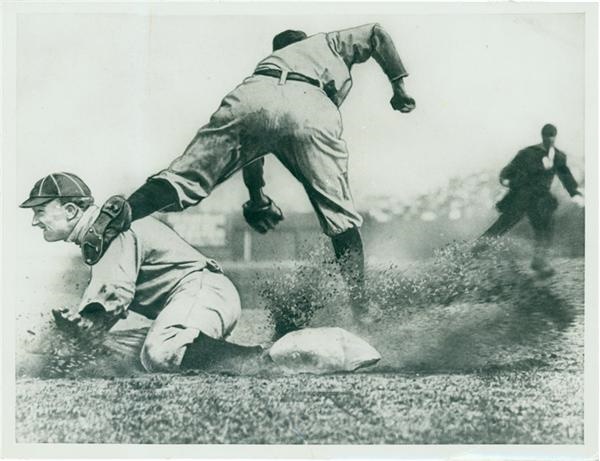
56, 185
287, 37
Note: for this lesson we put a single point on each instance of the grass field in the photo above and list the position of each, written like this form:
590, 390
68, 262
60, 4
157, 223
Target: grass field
517, 406
494, 371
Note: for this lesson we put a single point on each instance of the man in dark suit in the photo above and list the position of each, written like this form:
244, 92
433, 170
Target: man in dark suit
529, 177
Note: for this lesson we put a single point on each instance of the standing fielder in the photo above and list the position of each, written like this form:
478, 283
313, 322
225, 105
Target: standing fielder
288, 107
529, 177
150, 270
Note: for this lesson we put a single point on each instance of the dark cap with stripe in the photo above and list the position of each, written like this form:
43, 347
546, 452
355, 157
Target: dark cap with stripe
56, 185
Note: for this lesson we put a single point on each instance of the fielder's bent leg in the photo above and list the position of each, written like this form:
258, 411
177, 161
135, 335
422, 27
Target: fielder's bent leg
206, 162
318, 157
155, 195
117, 214
348, 248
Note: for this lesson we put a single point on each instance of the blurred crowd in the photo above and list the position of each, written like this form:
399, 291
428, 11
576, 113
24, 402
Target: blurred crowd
461, 198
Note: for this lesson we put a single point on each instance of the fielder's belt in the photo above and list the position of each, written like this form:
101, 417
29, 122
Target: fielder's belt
281, 76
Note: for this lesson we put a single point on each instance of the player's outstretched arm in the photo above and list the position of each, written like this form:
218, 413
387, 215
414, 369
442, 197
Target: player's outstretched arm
386, 55
513, 174
90, 326
568, 181
506, 174
111, 288
360, 43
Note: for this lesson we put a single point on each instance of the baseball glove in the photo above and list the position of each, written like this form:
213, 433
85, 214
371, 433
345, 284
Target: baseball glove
262, 218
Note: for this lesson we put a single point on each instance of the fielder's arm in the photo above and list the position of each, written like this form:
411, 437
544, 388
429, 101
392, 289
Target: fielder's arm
260, 212
254, 180
358, 44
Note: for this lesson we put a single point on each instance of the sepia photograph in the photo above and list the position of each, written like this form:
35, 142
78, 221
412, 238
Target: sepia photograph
243, 229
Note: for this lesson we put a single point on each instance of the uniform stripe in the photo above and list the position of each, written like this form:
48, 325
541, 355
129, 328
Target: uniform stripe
56, 183
42, 185
75, 181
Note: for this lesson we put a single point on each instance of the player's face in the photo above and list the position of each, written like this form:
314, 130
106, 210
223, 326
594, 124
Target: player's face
56, 220
548, 141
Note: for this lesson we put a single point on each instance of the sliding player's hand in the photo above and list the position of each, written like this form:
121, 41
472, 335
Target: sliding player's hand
75, 325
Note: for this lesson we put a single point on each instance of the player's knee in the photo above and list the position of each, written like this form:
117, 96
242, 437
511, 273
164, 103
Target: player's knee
158, 357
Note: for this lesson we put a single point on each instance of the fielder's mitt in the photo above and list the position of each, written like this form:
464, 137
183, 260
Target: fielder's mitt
262, 218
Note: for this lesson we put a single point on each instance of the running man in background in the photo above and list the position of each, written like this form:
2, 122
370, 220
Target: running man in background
147, 269
529, 177
288, 107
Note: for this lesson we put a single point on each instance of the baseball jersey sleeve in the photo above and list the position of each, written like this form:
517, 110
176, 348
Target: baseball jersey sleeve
357, 44
253, 174
113, 278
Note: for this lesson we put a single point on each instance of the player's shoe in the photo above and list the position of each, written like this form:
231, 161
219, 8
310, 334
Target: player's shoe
542, 268
546, 272
114, 218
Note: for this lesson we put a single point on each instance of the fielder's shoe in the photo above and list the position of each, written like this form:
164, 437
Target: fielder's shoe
114, 218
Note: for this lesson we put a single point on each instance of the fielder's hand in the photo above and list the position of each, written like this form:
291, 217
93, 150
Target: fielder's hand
401, 100
262, 217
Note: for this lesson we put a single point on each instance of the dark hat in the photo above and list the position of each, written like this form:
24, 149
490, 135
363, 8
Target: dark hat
287, 37
56, 185
549, 130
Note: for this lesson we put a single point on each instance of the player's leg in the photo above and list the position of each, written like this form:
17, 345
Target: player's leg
541, 217
511, 210
190, 331
217, 151
348, 249
317, 156
210, 352
505, 222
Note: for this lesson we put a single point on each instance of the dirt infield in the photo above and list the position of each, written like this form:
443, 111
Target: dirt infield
499, 364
